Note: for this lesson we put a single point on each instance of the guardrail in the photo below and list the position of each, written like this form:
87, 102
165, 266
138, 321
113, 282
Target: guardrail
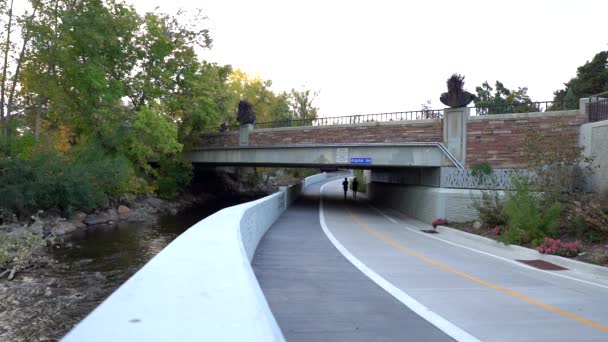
542, 106
201, 287
598, 107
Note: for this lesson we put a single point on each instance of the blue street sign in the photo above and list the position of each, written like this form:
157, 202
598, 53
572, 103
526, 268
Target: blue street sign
360, 160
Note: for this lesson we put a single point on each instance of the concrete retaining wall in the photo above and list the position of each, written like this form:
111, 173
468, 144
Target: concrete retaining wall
200, 287
426, 203
593, 137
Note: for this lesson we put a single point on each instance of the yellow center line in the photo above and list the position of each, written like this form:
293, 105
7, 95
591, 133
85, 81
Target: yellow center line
475, 279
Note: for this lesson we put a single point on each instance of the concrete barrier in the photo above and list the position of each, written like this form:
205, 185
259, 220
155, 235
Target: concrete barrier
201, 287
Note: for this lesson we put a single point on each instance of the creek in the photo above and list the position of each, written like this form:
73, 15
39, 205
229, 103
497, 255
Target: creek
43, 305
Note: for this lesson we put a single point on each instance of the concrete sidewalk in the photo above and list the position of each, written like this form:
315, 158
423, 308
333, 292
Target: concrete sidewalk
480, 289
318, 295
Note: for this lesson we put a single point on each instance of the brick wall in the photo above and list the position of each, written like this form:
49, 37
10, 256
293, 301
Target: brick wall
427, 131
499, 140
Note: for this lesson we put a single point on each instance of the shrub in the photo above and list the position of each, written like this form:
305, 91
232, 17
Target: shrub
496, 230
557, 247
174, 173
490, 209
79, 180
529, 221
439, 222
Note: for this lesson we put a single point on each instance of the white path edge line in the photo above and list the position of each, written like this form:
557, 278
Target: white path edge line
485, 253
441, 323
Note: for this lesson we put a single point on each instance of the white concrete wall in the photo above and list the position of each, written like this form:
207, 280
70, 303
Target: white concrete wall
593, 137
201, 287
427, 203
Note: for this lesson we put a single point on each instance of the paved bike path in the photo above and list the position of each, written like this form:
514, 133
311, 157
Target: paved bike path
316, 294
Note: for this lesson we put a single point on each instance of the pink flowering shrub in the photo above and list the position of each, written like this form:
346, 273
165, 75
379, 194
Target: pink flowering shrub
496, 230
439, 222
557, 247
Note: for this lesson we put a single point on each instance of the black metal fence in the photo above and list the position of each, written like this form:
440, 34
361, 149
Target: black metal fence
530, 107
598, 107
543, 106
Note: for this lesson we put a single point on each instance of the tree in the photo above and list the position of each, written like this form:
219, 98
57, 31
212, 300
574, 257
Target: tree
502, 100
591, 79
301, 104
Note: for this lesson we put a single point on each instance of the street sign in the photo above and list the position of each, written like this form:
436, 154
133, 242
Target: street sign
365, 161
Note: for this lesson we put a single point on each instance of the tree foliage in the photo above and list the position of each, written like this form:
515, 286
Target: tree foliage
591, 79
500, 99
94, 77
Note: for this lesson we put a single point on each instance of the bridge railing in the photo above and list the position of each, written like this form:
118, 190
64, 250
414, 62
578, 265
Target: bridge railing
529, 107
598, 107
541, 106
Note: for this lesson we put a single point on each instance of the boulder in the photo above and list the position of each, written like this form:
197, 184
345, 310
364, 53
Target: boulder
63, 227
77, 219
123, 212
476, 225
37, 227
140, 215
100, 218
156, 203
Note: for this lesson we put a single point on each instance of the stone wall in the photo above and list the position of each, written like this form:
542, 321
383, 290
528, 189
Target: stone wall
402, 131
499, 139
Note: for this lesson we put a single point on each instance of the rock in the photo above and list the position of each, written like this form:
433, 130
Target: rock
476, 225
37, 227
173, 211
103, 217
123, 212
140, 215
78, 218
156, 203
10, 227
63, 227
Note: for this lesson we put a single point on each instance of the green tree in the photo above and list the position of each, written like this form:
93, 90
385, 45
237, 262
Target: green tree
301, 104
500, 99
591, 79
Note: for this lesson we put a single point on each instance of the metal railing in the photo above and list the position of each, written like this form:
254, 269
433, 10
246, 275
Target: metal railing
543, 106
530, 107
598, 107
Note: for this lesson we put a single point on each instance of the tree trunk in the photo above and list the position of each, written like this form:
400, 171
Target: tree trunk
4, 67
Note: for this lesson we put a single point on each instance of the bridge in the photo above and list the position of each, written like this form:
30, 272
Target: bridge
304, 264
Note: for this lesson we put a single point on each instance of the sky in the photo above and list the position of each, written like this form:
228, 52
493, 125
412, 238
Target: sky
380, 56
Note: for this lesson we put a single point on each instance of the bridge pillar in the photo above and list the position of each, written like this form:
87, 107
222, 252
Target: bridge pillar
244, 131
455, 132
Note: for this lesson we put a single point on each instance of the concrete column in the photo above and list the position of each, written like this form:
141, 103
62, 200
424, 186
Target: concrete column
244, 131
582, 105
455, 132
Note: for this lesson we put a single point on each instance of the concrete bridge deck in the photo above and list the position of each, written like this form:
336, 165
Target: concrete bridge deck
344, 271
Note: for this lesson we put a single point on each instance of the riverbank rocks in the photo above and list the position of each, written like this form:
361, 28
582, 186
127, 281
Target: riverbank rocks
140, 215
101, 218
37, 227
63, 227
156, 203
123, 212
77, 219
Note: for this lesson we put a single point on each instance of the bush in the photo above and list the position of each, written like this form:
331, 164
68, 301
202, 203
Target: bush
490, 209
84, 179
529, 221
557, 247
174, 173
439, 222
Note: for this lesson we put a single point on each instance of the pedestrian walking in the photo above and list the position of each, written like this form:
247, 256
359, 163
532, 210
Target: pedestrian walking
355, 184
345, 186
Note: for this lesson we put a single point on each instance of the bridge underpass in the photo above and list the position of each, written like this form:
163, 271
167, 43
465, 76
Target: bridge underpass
335, 270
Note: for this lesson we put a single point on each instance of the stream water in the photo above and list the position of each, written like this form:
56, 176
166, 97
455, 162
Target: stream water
45, 304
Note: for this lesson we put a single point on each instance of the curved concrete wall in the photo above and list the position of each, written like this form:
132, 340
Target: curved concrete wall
200, 287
